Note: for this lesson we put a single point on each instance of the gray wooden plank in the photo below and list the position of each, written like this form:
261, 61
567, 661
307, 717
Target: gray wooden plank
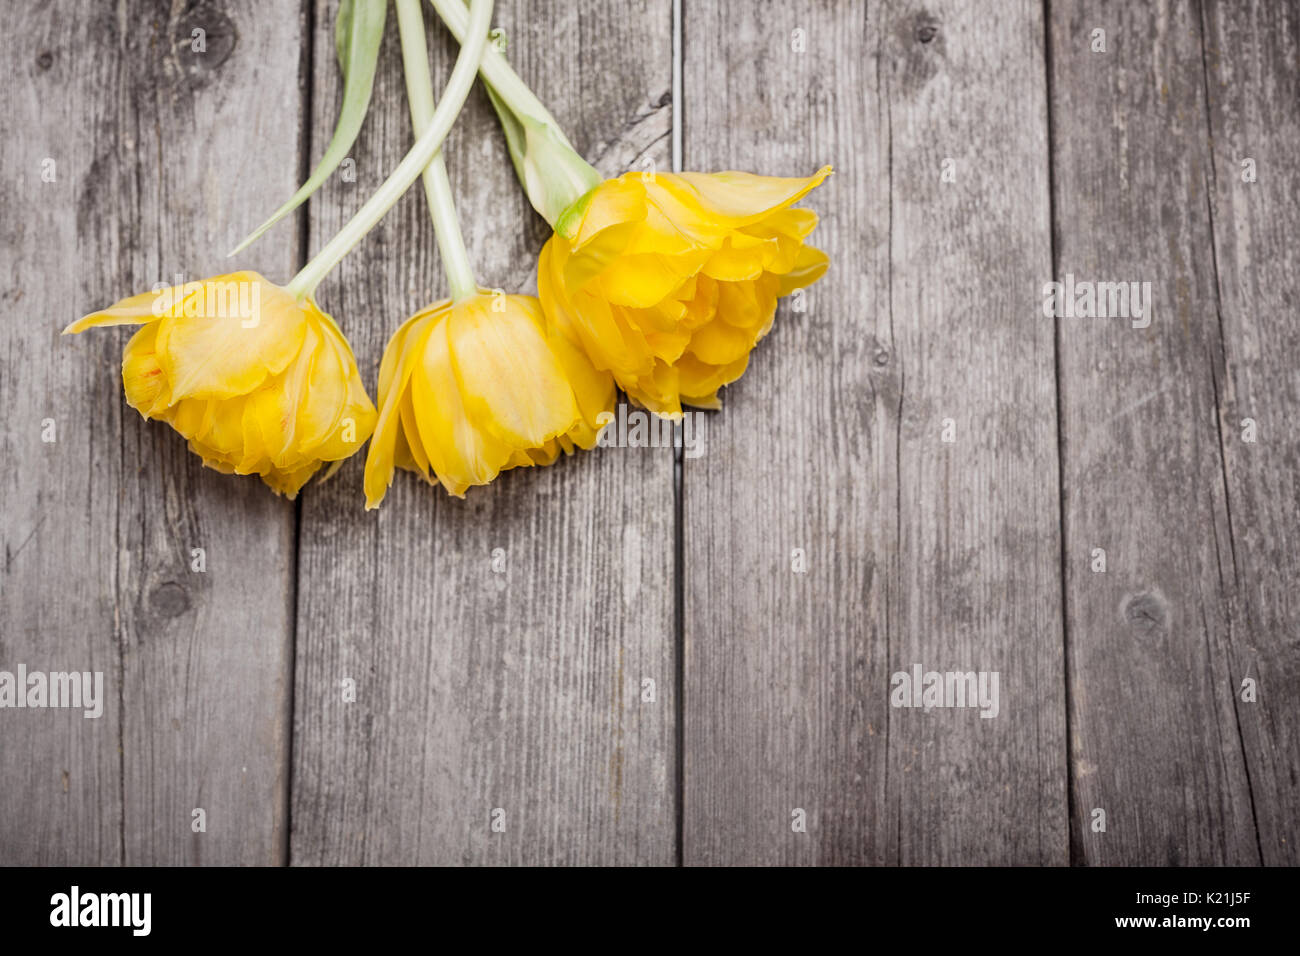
60, 777
1252, 61
478, 690
1155, 741
917, 550
163, 156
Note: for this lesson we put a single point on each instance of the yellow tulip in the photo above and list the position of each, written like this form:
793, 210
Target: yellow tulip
259, 382
670, 280
468, 389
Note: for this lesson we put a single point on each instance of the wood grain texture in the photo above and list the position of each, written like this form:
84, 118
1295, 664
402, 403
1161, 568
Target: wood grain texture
162, 156
1155, 736
918, 550
499, 644
478, 690
1252, 67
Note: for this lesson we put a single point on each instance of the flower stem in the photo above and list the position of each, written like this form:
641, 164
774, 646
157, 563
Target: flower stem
437, 187
496, 71
426, 146
554, 176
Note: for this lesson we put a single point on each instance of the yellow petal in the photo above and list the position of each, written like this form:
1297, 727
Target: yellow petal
289, 482
193, 417
669, 346
614, 202
133, 310
263, 427
738, 261
400, 356
142, 377
225, 431
394, 350
657, 391
295, 390
212, 354
587, 319
460, 453
547, 454
319, 405
410, 430
739, 199
512, 385
810, 265
643, 280
796, 224
593, 389
212, 458
356, 424
579, 268
720, 343
702, 380
402, 456
335, 415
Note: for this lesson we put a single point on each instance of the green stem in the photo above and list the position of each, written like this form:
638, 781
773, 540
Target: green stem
421, 154
437, 187
496, 71
554, 176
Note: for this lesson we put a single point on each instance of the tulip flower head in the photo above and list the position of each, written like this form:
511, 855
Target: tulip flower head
257, 381
671, 280
470, 388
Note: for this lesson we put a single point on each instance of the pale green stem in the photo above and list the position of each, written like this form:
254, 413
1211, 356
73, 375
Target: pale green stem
426, 146
496, 71
437, 187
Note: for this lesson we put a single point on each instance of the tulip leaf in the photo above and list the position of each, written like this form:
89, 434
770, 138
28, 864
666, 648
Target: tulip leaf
516, 138
358, 32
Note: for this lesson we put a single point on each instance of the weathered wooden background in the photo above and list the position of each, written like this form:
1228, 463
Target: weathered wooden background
521, 689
